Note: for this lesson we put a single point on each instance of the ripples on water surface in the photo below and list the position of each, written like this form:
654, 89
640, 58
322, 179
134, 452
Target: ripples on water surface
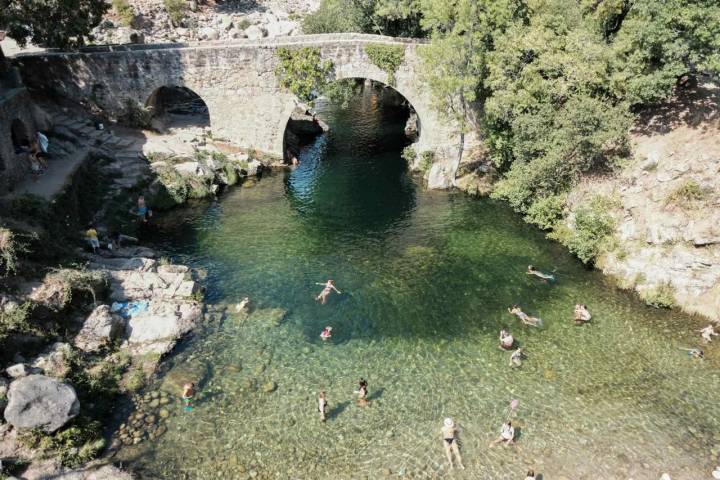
427, 277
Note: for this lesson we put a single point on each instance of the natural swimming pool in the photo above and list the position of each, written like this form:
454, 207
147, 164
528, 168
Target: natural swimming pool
426, 279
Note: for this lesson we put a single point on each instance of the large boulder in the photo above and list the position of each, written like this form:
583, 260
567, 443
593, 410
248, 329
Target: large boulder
37, 401
280, 28
54, 361
208, 33
158, 329
254, 167
100, 328
255, 32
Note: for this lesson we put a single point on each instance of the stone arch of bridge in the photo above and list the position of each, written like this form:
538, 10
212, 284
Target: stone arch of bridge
381, 80
180, 101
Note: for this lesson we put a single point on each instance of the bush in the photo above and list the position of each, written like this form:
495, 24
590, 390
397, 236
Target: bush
661, 296
137, 115
16, 320
336, 16
72, 281
427, 158
593, 224
409, 154
176, 9
125, 11
74, 446
303, 72
10, 247
687, 194
546, 212
387, 57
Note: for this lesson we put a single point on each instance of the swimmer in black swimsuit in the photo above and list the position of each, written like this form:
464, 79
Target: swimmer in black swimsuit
449, 435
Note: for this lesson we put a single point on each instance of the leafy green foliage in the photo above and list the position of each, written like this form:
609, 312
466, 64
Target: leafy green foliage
176, 9
137, 115
51, 23
409, 154
546, 212
303, 71
386, 57
15, 320
592, 227
387, 17
427, 158
340, 92
661, 296
10, 247
125, 11
74, 446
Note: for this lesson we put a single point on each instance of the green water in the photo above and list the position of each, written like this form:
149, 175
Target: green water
426, 279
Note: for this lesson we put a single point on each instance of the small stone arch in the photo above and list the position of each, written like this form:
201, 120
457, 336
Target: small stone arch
286, 121
177, 106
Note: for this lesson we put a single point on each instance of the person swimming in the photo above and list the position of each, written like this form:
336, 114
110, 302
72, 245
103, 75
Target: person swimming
707, 333
516, 358
507, 435
362, 392
506, 340
545, 276
582, 315
326, 333
524, 317
322, 405
694, 352
329, 287
188, 394
450, 443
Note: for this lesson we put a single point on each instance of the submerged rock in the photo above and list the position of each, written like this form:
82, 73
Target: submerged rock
37, 401
179, 375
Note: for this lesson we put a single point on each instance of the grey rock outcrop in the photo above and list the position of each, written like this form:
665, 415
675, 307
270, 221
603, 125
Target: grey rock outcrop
37, 401
100, 328
255, 32
18, 370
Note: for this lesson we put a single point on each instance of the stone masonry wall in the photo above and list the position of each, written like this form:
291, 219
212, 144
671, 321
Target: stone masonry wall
235, 79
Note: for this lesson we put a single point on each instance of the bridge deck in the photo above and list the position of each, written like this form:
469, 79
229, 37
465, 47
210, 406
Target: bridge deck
275, 42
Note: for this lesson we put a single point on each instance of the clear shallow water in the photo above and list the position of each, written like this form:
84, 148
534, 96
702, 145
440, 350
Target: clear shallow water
427, 277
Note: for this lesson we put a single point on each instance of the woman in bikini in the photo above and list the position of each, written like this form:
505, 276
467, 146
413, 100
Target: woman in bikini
362, 393
524, 317
449, 435
329, 287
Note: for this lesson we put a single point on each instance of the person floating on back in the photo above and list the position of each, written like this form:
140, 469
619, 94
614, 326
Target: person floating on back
326, 334
507, 435
329, 287
91, 236
506, 340
188, 394
582, 315
524, 317
450, 442
545, 276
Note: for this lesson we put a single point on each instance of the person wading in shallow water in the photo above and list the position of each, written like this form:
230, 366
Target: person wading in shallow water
188, 394
322, 406
450, 442
507, 435
329, 287
362, 393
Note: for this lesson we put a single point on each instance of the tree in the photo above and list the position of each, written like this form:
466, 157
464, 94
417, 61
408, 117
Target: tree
455, 63
51, 23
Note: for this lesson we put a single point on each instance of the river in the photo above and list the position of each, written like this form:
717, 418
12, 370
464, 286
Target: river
426, 279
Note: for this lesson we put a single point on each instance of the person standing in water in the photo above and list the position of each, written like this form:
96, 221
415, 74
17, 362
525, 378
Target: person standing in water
582, 314
326, 334
329, 287
707, 333
363, 393
188, 394
516, 358
450, 442
322, 405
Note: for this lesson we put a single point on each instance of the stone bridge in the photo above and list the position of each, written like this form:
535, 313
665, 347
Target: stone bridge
246, 103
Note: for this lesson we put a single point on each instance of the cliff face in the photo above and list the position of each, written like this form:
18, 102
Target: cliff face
666, 205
